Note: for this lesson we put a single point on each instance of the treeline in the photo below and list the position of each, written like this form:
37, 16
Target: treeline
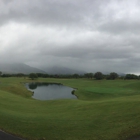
97, 76
113, 76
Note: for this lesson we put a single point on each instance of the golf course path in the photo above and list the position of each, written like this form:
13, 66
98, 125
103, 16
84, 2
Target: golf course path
6, 136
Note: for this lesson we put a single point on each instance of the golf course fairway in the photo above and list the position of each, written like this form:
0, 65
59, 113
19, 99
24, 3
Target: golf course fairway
104, 110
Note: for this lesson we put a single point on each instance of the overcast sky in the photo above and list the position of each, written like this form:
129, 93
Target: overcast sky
87, 35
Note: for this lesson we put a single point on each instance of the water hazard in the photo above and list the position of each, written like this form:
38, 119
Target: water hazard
50, 91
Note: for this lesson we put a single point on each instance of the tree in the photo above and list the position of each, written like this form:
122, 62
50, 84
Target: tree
98, 76
89, 75
20, 75
131, 76
40, 74
6, 75
113, 76
33, 76
76, 75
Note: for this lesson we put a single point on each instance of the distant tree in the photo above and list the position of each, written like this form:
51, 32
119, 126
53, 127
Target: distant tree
107, 77
56, 76
121, 77
33, 76
89, 75
67, 76
6, 75
45, 75
20, 75
131, 76
0, 73
76, 75
98, 76
112, 76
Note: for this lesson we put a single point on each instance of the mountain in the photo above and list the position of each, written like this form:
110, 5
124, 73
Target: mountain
18, 68
62, 70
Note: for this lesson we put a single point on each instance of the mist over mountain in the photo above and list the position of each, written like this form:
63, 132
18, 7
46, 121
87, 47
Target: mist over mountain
18, 68
62, 70
13, 68
66, 70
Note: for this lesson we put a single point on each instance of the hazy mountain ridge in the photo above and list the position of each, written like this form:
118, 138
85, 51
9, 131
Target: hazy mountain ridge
62, 70
14, 68
65, 70
18, 68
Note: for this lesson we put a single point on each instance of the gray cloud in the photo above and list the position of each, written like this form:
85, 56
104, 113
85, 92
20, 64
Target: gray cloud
85, 34
41, 12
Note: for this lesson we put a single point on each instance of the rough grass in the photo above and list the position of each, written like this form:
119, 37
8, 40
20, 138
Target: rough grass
106, 110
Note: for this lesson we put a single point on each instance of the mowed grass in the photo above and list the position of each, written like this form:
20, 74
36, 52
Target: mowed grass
105, 110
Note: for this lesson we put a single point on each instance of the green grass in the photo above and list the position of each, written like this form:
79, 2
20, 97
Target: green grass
105, 110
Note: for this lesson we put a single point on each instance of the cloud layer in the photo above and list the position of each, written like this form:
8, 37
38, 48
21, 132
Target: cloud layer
87, 35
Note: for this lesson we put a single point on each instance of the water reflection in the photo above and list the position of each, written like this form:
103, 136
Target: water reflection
50, 91
32, 86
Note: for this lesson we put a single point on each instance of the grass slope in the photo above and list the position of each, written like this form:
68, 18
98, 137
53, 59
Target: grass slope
106, 110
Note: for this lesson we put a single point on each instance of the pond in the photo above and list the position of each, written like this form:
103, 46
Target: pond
50, 91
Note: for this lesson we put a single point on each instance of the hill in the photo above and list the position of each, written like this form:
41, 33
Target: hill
18, 68
62, 70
